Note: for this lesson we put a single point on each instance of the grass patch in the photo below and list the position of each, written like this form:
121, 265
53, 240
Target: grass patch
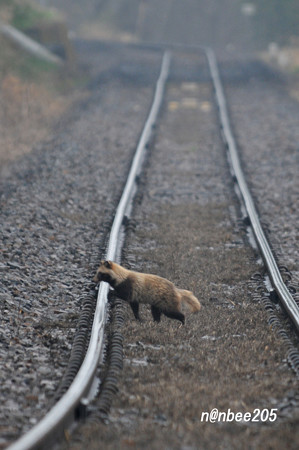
27, 68
25, 14
31, 67
28, 16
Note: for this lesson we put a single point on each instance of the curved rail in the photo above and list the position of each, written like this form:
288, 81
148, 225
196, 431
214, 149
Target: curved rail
267, 255
64, 409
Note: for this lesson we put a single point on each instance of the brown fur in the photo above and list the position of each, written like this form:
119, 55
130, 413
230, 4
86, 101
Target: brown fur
135, 287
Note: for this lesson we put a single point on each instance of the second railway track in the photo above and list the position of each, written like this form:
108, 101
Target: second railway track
188, 191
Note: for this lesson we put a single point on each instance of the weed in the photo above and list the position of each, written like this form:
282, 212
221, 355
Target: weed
34, 68
27, 16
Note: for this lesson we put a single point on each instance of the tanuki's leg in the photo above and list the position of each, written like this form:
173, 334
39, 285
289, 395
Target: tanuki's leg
175, 315
156, 313
135, 309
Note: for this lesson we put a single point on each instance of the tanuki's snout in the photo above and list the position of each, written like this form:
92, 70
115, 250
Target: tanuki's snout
97, 277
102, 276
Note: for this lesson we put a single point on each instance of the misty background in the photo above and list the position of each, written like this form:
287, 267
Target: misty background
219, 23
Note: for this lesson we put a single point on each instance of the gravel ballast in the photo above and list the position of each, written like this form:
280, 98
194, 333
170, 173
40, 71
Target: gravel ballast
56, 205
187, 227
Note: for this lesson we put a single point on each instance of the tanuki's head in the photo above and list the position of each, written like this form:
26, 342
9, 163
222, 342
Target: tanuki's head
105, 272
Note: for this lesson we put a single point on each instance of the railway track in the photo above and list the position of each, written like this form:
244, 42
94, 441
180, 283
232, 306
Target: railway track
81, 385
81, 390
274, 273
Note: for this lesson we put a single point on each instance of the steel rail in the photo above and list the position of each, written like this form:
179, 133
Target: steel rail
267, 255
64, 409
29, 45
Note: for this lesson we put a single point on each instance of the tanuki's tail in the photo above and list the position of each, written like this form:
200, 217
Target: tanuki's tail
190, 299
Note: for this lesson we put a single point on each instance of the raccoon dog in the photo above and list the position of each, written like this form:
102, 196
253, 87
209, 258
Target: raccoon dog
134, 287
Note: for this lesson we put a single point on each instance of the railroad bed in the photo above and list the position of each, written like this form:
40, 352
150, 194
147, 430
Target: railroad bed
186, 225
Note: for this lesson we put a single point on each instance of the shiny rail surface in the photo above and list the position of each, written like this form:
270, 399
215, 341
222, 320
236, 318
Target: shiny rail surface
64, 410
274, 273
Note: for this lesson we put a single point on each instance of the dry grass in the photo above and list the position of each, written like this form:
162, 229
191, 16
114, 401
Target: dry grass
33, 96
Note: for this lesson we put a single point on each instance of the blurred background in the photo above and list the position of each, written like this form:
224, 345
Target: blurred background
33, 92
220, 23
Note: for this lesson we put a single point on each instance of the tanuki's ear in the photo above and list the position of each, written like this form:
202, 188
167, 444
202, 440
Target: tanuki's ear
108, 264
